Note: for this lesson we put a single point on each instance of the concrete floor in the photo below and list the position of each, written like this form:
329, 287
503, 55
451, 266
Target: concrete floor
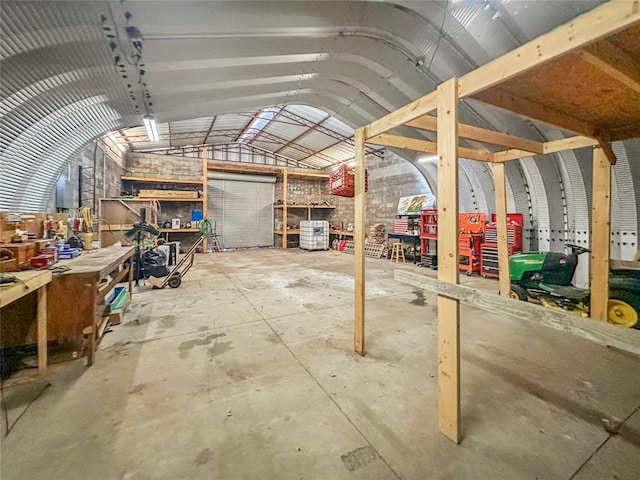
246, 372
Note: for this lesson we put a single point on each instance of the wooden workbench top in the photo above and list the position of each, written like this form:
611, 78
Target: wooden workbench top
99, 262
33, 279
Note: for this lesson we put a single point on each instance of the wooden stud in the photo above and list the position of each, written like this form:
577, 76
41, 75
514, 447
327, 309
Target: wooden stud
130, 277
425, 146
284, 207
205, 191
500, 182
553, 146
411, 111
600, 235
430, 123
601, 21
626, 339
359, 218
41, 318
448, 308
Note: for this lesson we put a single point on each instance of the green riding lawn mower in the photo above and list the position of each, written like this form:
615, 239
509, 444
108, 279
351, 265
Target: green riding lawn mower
547, 276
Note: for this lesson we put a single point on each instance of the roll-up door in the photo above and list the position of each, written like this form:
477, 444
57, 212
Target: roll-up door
242, 208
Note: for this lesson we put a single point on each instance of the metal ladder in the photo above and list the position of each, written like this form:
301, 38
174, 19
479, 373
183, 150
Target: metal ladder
217, 242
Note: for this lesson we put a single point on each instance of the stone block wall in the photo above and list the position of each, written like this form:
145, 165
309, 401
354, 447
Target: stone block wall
390, 178
151, 165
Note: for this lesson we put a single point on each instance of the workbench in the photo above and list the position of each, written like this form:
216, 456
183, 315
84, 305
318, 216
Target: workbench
77, 295
30, 282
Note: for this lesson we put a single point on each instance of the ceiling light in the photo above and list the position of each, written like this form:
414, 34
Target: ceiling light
152, 130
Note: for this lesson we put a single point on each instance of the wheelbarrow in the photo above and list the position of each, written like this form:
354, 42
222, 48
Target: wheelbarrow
174, 277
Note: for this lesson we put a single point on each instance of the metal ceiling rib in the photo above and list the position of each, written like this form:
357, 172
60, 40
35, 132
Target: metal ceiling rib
298, 129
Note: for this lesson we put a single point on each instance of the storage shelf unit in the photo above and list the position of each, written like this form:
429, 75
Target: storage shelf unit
301, 175
113, 211
429, 237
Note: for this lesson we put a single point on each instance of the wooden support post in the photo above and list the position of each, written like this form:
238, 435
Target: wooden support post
448, 307
500, 184
41, 320
284, 208
600, 235
359, 218
205, 188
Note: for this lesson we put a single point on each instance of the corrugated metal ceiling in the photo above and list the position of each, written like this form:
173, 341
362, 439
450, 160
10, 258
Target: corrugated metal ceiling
73, 70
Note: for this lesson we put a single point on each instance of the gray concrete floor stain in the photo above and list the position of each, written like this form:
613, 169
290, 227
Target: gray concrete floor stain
247, 371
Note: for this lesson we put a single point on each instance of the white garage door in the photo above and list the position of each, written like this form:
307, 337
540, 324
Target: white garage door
242, 208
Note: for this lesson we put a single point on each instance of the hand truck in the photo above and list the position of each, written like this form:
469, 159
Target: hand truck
174, 277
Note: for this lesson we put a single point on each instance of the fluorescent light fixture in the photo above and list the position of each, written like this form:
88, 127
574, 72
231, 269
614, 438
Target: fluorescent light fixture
152, 129
428, 158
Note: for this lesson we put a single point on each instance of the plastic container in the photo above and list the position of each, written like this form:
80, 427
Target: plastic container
314, 235
196, 215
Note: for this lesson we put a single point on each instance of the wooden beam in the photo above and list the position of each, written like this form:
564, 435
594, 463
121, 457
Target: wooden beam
425, 146
527, 108
605, 144
448, 308
205, 191
570, 143
411, 111
614, 62
285, 202
600, 22
430, 123
625, 132
626, 339
553, 146
244, 168
600, 235
500, 182
308, 176
359, 218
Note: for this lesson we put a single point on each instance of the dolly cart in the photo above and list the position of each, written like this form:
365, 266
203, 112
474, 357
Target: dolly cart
174, 278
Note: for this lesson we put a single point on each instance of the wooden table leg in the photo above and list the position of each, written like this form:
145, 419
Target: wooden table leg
42, 331
130, 278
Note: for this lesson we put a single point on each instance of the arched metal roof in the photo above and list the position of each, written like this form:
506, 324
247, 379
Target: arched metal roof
73, 70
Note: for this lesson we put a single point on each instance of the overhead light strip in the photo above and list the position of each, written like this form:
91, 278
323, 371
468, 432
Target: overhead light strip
152, 129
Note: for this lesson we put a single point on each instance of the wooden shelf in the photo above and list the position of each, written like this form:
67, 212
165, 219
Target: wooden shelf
182, 230
160, 180
291, 231
160, 199
341, 232
102, 291
308, 176
306, 206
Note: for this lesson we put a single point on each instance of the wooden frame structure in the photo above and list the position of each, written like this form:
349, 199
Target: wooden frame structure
579, 77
